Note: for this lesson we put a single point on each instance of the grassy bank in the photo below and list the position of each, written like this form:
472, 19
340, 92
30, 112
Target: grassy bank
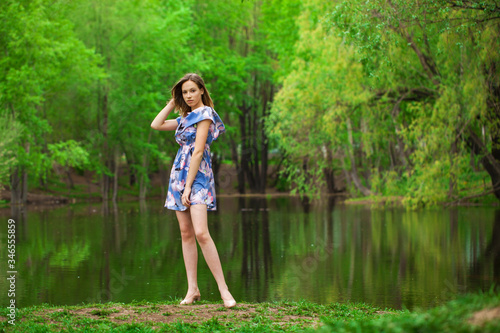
400, 201
473, 313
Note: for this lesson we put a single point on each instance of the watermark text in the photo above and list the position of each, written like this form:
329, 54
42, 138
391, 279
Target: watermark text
11, 273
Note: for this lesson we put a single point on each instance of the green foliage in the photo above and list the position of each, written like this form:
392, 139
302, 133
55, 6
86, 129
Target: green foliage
394, 90
41, 58
69, 154
11, 133
385, 94
452, 317
309, 113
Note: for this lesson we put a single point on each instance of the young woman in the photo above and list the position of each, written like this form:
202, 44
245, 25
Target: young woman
191, 191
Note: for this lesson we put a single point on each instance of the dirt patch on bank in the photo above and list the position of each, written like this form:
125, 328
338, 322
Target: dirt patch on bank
481, 317
178, 313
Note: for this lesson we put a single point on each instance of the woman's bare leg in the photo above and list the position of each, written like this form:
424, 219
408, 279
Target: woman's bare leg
189, 252
200, 225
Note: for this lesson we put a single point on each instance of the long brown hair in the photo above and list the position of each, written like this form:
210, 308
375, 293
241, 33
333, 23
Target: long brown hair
179, 102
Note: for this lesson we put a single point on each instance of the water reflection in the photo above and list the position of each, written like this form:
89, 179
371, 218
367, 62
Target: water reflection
271, 249
486, 263
256, 263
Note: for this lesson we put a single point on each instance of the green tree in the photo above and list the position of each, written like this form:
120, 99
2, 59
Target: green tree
412, 110
247, 47
69, 154
145, 48
319, 104
438, 98
40, 48
11, 133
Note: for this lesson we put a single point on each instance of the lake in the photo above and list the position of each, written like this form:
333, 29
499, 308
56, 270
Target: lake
271, 249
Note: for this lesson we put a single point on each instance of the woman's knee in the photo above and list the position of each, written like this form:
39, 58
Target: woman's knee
187, 234
203, 236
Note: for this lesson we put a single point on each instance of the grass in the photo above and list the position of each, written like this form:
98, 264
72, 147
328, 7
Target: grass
471, 313
461, 315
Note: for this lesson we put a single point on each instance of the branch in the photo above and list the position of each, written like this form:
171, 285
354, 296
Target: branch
483, 150
473, 5
473, 196
406, 94
425, 60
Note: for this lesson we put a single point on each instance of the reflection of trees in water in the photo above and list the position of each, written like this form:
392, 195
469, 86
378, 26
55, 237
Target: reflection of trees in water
489, 260
256, 243
17, 212
306, 203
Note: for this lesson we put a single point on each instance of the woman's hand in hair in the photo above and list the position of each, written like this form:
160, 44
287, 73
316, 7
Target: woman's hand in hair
160, 123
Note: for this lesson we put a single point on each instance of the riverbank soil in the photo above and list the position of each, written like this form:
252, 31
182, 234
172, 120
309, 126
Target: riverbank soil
201, 316
166, 314
482, 317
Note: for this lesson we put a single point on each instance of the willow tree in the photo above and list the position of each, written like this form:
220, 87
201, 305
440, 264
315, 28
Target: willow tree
422, 94
431, 80
316, 112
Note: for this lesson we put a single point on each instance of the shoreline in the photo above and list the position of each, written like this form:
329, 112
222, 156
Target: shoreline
46, 199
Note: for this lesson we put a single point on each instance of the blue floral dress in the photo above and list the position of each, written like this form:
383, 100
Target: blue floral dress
203, 188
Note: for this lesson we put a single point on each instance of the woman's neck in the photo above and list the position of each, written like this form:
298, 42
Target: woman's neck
197, 107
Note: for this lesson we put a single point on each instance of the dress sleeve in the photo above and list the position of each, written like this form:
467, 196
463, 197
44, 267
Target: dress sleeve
208, 113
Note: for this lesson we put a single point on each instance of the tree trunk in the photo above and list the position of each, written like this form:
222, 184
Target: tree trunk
143, 187
215, 168
71, 184
489, 160
132, 177
115, 176
18, 186
354, 171
268, 98
19, 183
15, 187
453, 176
239, 170
328, 172
264, 152
255, 153
246, 150
105, 178
305, 200
164, 178
24, 193
24, 176
144, 175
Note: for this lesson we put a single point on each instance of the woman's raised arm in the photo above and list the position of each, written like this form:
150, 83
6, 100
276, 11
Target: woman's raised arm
159, 122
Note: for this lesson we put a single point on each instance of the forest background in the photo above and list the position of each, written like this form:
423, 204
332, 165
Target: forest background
399, 98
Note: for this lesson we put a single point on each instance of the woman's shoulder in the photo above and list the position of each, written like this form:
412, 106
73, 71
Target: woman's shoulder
197, 115
205, 109
203, 112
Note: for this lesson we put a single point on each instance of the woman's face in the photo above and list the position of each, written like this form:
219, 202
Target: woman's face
192, 94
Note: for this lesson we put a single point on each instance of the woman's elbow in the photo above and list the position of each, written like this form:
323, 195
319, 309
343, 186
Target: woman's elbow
198, 154
154, 126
